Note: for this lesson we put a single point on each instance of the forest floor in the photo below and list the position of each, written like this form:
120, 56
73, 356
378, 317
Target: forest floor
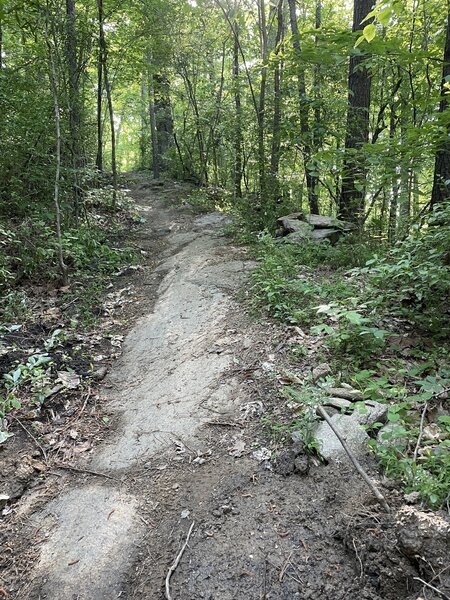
186, 451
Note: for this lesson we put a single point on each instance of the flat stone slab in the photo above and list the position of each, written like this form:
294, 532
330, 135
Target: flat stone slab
350, 427
90, 544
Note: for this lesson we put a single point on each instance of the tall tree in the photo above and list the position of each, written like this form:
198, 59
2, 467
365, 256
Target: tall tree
74, 99
262, 99
441, 182
99, 157
351, 202
105, 71
53, 76
237, 166
276, 126
305, 130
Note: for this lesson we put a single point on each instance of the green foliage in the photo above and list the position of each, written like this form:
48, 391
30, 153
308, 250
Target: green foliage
352, 332
86, 249
33, 373
413, 280
429, 474
306, 418
285, 285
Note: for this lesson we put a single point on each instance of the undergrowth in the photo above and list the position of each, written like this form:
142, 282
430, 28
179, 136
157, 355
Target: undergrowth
30, 255
384, 316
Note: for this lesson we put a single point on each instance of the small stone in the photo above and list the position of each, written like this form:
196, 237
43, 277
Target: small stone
320, 371
4, 498
412, 498
339, 403
301, 465
226, 509
320, 235
346, 392
285, 463
216, 513
100, 373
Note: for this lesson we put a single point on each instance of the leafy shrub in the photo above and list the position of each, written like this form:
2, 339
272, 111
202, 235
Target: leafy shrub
34, 251
413, 280
286, 288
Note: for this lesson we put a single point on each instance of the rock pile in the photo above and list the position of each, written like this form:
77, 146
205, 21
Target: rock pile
298, 227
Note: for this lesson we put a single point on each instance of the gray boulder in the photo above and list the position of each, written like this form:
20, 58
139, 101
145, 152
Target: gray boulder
320, 235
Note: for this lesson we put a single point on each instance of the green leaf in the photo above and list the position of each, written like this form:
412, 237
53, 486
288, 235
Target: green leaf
354, 318
4, 435
369, 32
393, 417
384, 16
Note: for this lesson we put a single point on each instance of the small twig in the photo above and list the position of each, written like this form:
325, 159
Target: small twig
88, 471
177, 562
28, 432
88, 395
378, 495
285, 567
359, 559
224, 423
432, 588
419, 439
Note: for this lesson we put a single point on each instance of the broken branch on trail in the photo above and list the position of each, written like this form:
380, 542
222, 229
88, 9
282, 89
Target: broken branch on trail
176, 562
378, 495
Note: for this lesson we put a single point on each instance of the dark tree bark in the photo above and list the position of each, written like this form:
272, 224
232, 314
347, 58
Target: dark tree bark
153, 132
276, 126
143, 138
1, 44
104, 62
54, 84
262, 101
74, 100
441, 183
311, 180
99, 159
351, 203
163, 113
238, 116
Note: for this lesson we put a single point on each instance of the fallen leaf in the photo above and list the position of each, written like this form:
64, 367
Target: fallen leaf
262, 454
69, 379
237, 449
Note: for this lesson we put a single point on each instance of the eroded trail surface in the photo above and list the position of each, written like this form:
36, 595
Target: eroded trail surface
187, 395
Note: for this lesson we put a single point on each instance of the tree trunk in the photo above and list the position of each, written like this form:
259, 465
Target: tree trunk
393, 204
351, 204
405, 191
99, 159
153, 132
262, 101
74, 101
1, 44
54, 88
163, 114
311, 181
143, 140
441, 183
104, 60
276, 126
238, 116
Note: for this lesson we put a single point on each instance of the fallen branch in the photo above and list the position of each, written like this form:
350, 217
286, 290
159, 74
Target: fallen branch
419, 438
87, 471
435, 589
378, 495
177, 562
28, 432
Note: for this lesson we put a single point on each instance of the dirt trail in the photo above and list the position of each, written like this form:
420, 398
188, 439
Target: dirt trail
164, 387
186, 395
